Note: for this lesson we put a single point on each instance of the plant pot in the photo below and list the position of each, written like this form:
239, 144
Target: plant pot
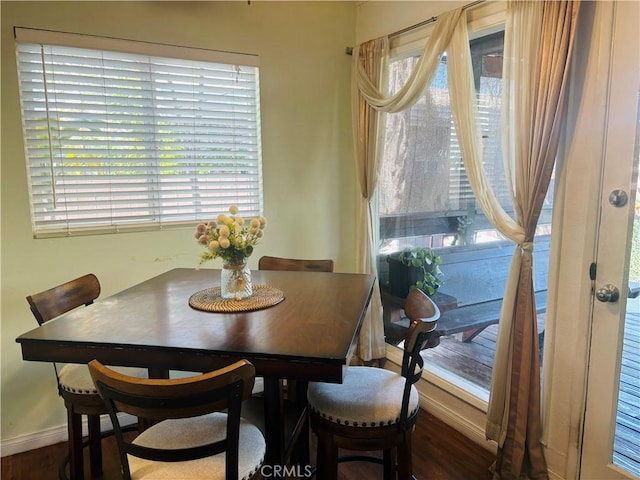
402, 277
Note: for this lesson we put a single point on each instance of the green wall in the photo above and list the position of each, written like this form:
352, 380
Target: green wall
309, 177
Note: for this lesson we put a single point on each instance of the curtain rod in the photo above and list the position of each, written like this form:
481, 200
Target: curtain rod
349, 50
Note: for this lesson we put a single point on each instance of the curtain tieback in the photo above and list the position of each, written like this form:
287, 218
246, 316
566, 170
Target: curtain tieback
526, 246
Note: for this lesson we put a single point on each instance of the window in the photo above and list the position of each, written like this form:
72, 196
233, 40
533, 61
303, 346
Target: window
423, 187
122, 135
425, 200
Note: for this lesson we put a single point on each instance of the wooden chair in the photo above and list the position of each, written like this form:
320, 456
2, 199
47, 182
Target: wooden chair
75, 385
291, 264
296, 391
374, 408
193, 438
300, 265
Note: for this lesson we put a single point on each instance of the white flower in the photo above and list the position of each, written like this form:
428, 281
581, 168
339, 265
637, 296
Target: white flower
231, 238
224, 231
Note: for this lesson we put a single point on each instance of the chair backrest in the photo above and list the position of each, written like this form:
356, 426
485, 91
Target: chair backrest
424, 314
63, 298
292, 264
419, 306
161, 399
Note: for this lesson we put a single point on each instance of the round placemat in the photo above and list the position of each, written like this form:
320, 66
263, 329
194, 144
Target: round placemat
210, 300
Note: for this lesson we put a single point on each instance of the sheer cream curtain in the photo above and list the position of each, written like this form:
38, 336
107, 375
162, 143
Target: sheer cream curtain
538, 45
371, 57
422, 74
369, 100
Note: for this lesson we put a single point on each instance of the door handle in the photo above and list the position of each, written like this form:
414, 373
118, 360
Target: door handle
608, 293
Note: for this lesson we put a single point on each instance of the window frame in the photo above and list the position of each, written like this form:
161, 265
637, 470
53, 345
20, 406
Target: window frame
164, 208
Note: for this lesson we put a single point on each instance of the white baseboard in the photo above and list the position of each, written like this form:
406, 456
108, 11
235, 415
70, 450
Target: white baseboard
52, 436
32, 441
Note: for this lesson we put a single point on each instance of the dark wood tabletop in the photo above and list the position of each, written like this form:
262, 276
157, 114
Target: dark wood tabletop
310, 336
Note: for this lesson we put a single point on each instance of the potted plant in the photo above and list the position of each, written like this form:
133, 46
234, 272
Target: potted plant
419, 266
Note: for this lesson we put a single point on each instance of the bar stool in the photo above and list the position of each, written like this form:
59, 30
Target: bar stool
75, 385
374, 408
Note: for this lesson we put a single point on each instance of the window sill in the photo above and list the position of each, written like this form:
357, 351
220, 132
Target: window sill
445, 381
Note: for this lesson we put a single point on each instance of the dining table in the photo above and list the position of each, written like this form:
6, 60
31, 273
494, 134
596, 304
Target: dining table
304, 328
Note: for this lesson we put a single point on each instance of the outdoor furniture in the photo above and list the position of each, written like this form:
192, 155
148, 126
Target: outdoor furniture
470, 300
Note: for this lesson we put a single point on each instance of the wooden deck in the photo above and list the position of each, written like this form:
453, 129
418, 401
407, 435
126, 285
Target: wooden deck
626, 447
473, 361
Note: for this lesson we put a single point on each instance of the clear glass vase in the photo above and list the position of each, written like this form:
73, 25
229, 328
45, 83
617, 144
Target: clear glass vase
235, 281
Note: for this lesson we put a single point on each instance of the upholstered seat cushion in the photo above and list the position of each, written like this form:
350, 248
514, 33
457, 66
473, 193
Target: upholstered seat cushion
191, 432
368, 397
75, 378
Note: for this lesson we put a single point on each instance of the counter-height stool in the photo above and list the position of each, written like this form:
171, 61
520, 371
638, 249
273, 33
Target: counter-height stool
374, 408
296, 391
75, 385
198, 432
294, 264
267, 262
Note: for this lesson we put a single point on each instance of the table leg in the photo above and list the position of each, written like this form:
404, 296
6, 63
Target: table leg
300, 454
274, 421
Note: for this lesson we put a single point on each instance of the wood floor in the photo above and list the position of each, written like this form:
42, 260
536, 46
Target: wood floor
473, 361
439, 453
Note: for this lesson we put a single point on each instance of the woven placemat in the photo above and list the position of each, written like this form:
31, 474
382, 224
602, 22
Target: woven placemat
210, 300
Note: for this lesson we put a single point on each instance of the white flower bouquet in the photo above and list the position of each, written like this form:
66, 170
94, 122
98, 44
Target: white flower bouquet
229, 237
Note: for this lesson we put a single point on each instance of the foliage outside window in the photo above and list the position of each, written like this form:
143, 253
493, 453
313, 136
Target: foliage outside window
118, 139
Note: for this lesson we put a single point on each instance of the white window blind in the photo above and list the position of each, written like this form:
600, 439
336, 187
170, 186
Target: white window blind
120, 140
